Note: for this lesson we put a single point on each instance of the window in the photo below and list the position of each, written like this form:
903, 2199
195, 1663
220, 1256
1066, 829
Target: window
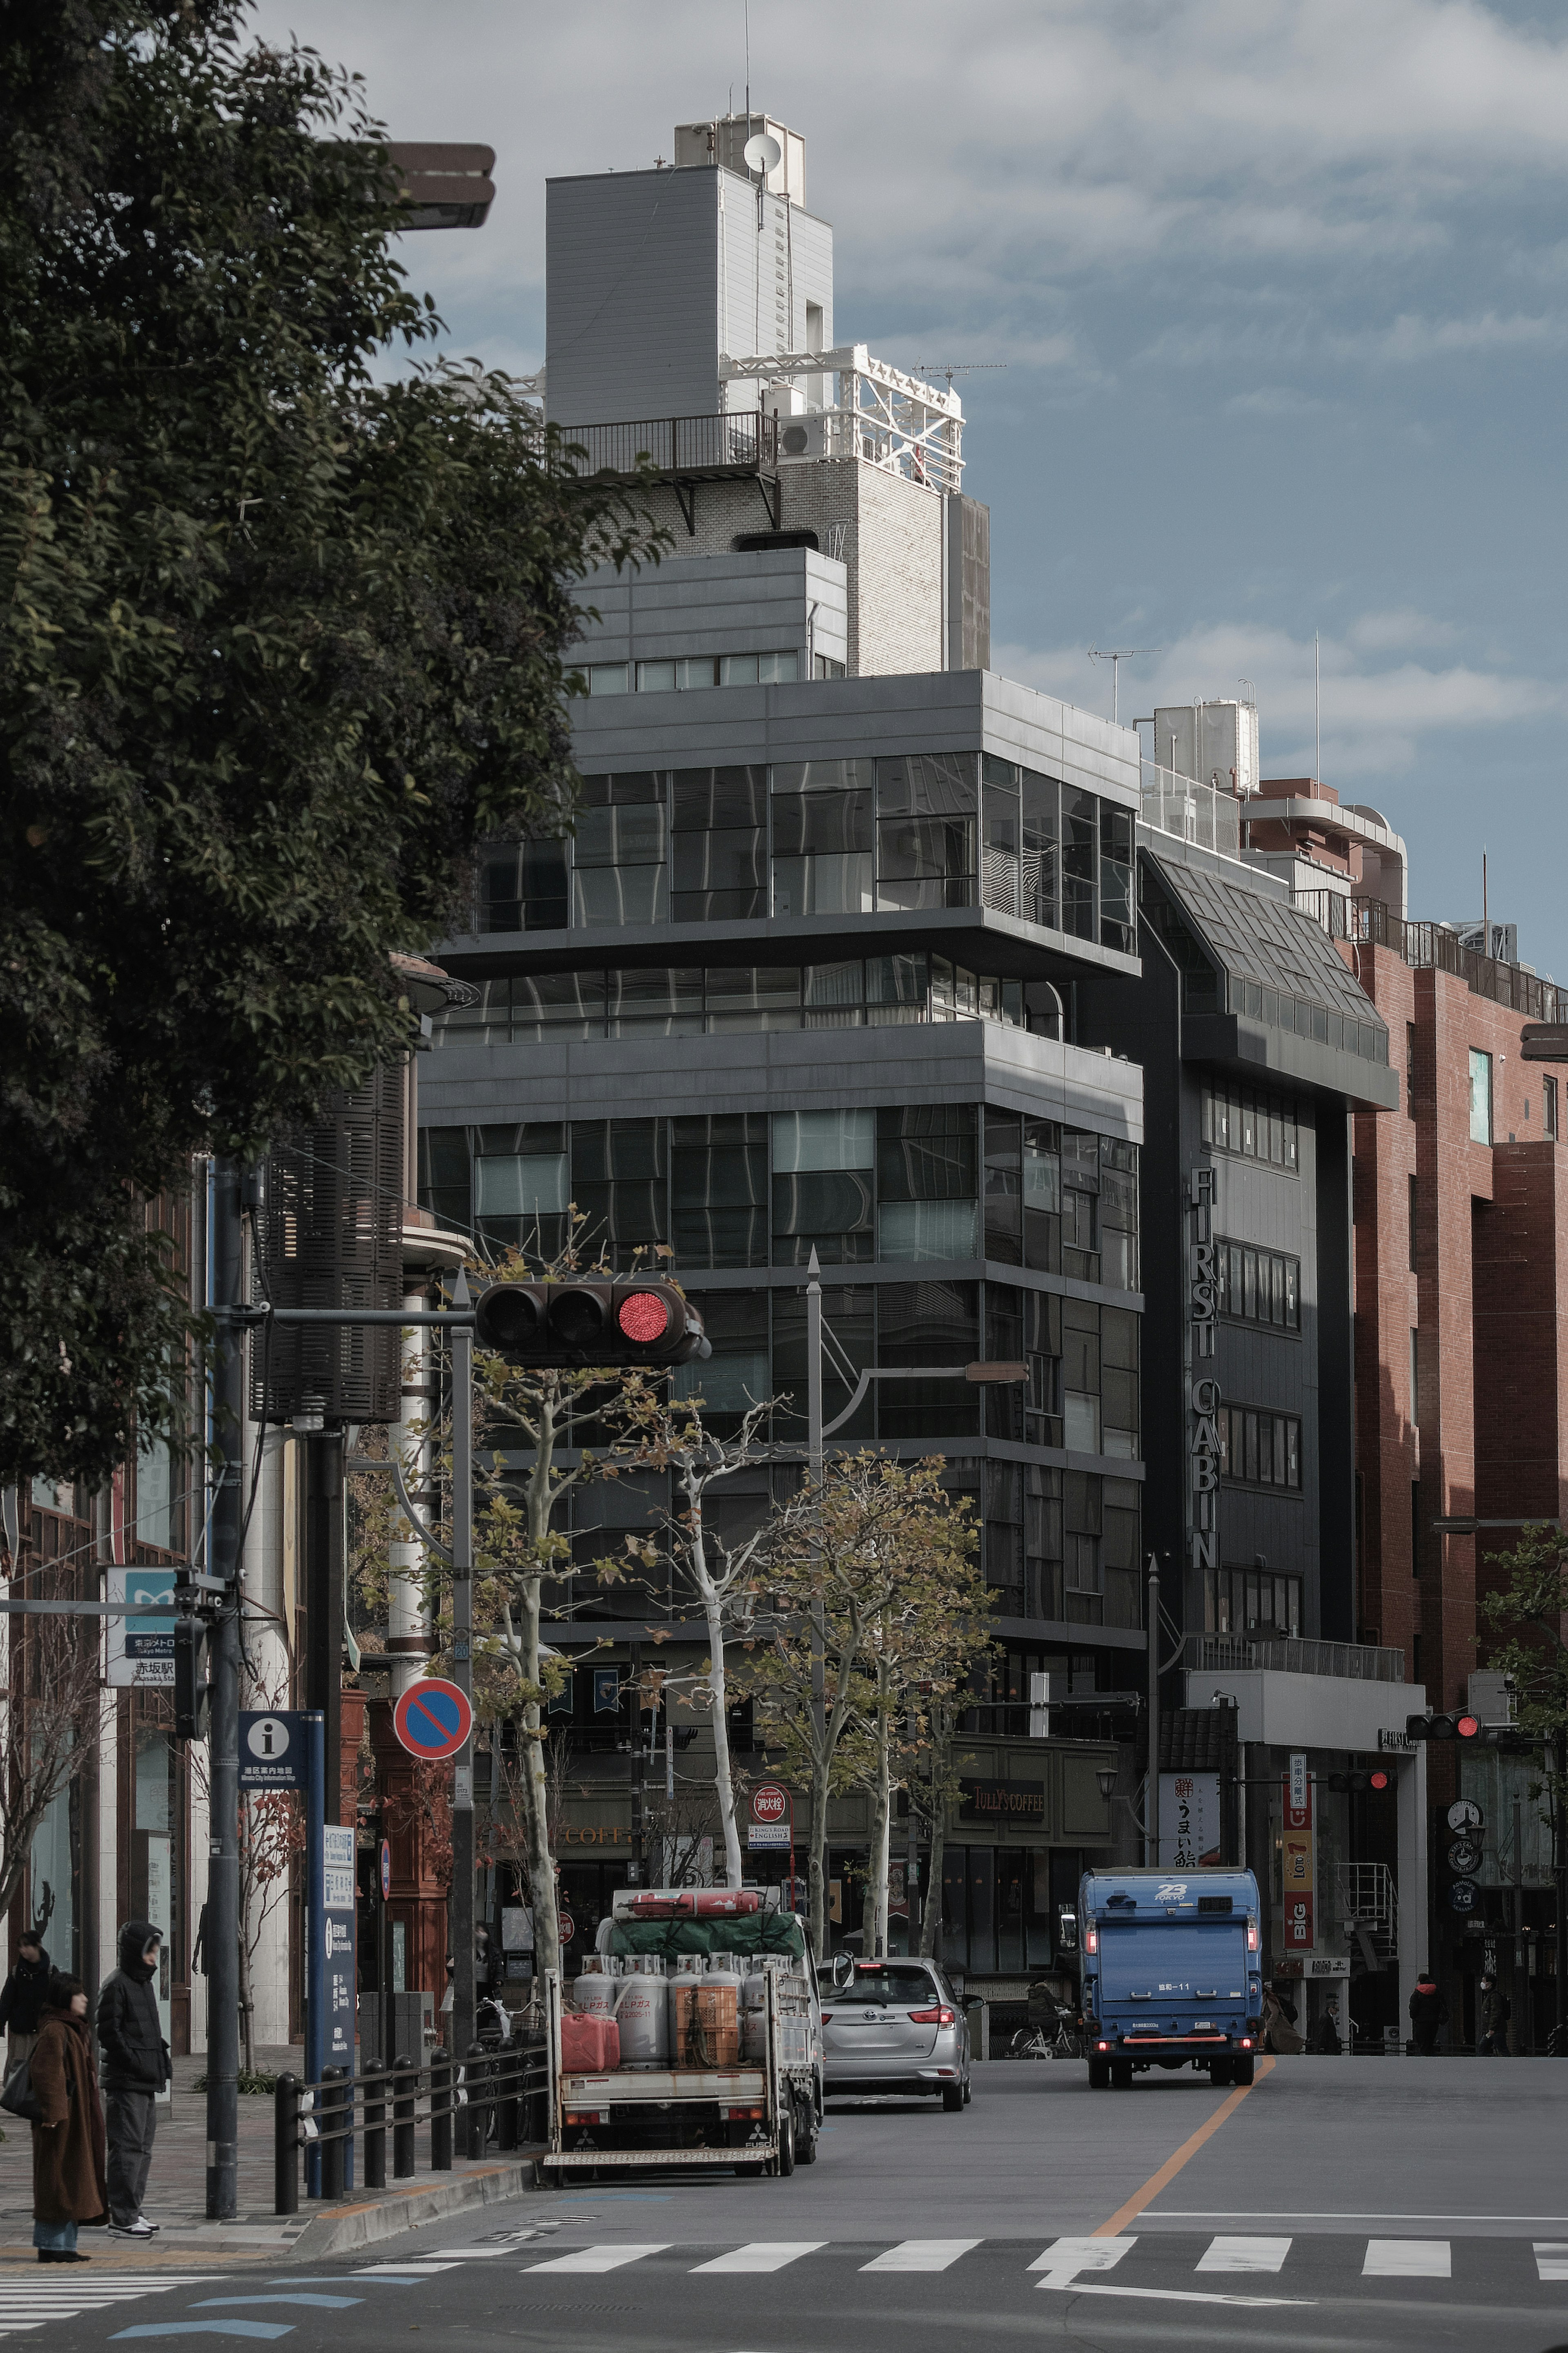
925, 831
720, 841
1480, 1097
620, 874
548, 1006
443, 1176
1004, 1198
926, 1182
1025, 1327
822, 837
1080, 1204
719, 1189
661, 1001
1413, 1225
620, 1180
1081, 1376
999, 836
1410, 1067
1116, 878
1414, 1378
738, 1374
849, 1314
1083, 1578
1079, 844
1258, 1448
610, 678
928, 1323
1043, 1195
523, 887
823, 1186
1259, 1286
754, 997
1256, 1126
1119, 1214
1549, 1108
1041, 850
520, 1188
1251, 1601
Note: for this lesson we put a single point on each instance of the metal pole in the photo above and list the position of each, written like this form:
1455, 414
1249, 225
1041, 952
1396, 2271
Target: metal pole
813, 1462
222, 1943
1560, 1872
1523, 2033
639, 1769
315, 1930
1151, 1794
461, 1917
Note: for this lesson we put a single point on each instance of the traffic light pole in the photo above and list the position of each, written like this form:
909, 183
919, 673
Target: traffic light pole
460, 1918
221, 1944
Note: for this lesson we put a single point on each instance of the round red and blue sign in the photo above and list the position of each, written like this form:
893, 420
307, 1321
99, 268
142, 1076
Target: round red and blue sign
433, 1719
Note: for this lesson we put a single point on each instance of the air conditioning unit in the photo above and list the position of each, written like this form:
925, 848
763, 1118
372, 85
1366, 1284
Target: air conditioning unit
802, 439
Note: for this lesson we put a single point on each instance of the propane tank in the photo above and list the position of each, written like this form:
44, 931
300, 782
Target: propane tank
718, 2012
642, 2012
760, 1966
595, 1988
682, 1989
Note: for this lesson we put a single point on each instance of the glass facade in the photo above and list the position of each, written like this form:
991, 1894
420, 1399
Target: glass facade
818, 838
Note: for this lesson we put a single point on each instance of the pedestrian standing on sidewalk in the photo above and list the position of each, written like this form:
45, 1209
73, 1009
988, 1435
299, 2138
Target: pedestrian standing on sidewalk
69, 2179
1496, 2011
1428, 2014
23, 1996
135, 2069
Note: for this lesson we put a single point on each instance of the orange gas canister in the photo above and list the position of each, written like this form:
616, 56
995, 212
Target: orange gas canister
589, 2044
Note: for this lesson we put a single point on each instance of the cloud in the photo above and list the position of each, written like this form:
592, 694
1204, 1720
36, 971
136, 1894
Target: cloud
1375, 721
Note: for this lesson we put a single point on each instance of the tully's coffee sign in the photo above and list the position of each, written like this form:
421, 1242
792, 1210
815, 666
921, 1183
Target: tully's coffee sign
1004, 1801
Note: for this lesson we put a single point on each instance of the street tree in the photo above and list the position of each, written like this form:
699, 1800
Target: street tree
283, 634
53, 1706
1528, 1609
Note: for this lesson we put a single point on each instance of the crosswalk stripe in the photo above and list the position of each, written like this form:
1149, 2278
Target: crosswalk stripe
1071, 2256
598, 2259
921, 2255
1550, 2260
760, 2256
1407, 2259
1223, 2255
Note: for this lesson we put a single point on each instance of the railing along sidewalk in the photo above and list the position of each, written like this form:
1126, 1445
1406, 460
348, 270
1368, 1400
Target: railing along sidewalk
510, 2083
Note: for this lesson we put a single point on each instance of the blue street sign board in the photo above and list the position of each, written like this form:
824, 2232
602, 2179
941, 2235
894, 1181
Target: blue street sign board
434, 1718
273, 1749
338, 1904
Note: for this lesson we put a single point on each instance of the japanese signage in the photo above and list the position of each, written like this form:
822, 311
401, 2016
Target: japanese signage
272, 1746
142, 1650
1190, 1832
1298, 1858
1203, 1389
338, 1895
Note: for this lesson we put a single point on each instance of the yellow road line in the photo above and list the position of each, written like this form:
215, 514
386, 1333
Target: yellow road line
1174, 2164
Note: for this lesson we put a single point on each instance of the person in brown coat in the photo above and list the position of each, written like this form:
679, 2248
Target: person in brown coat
69, 2180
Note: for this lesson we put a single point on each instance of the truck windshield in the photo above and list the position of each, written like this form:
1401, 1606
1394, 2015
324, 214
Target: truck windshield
893, 1988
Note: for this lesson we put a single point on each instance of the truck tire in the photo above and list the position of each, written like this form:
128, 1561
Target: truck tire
805, 2134
1100, 2074
784, 2164
1122, 2075
1220, 2073
1242, 2070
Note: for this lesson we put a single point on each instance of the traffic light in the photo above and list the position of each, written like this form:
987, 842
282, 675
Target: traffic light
633, 1319
1463, 1727
191, 1698
1370, 1776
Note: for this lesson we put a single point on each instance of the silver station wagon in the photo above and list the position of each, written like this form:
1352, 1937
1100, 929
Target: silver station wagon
894, 2026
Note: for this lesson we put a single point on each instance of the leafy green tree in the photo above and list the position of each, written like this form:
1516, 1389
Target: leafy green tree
1530, 1613
280, 641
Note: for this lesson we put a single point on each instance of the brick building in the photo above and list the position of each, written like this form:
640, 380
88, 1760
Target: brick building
1461, 1371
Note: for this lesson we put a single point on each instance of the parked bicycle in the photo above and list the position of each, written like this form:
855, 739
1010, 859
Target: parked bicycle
1035, 2043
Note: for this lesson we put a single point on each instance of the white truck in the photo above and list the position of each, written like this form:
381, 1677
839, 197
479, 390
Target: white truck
759, 2115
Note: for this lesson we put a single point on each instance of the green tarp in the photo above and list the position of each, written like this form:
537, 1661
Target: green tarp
751, 1932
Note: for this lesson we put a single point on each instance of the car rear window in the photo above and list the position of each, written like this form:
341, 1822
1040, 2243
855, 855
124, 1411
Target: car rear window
895, 1989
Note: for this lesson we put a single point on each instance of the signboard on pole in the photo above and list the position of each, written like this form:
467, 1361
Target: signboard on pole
433, 1719
1190, 1832
1299, 1857
337, 1908
142, 1650
272, 1749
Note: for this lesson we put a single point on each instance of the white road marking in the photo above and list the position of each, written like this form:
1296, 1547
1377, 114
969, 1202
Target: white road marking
1069, 2256
598, 2259
921, 2255
1407, 2259
1551, 2261
29, 2304
761, 2255
1173, 2295
1243, 2255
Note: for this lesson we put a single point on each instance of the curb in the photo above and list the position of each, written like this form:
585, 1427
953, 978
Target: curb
347, 2227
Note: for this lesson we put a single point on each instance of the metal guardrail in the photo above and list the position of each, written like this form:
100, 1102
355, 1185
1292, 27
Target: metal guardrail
1432, 947
745, 443
1190, 811
1292, 1654
509, 2086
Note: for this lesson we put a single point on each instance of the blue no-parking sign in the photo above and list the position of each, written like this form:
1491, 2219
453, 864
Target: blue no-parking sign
433, 1719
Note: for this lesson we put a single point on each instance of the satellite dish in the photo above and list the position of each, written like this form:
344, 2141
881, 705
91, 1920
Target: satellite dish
762, 154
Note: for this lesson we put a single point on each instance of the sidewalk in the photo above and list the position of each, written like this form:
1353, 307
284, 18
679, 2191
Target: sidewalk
176, 2191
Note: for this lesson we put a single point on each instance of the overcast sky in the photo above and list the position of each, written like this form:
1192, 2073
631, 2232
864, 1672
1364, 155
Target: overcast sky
1282, 296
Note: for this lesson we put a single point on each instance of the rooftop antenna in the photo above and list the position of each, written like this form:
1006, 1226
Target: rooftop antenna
949, 368
1115, 655
1317, 709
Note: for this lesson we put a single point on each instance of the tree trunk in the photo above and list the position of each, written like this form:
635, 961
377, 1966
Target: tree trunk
881, 1827
931, 1921
816, 1874
246, 2007
724, 1781
535, 1796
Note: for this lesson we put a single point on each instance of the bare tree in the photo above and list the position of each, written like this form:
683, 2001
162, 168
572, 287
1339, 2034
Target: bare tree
52, 1713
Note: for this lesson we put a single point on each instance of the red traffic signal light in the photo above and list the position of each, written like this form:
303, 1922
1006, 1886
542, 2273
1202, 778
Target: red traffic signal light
1462, 1727
1361, 1777
601, 1321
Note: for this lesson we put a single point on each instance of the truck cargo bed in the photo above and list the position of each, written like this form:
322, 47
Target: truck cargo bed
736, 2086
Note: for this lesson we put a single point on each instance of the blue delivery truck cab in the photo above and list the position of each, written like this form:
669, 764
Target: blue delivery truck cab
1172, 1976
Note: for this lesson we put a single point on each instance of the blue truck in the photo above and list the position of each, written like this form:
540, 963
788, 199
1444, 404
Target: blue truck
1172, 1973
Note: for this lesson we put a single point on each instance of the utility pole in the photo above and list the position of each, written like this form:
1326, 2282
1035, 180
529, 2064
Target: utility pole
460, 1913
814, 1472
222, 1941
1560, 1874
1151, 1794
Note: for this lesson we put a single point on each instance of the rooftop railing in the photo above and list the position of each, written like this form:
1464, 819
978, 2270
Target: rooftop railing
1434, 947
1291, 1654
1181, 806
745, 443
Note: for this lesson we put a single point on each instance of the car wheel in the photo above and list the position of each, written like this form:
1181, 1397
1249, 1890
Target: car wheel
968, 2090
1122, 2075
1220, 2073
1242, 2069
1100, 2074
952, 2098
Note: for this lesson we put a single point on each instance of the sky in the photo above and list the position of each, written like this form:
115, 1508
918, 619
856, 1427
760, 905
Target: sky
1273, 304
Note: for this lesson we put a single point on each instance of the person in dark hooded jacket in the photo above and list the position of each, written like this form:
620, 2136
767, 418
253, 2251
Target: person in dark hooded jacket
25, 1997
135, 2069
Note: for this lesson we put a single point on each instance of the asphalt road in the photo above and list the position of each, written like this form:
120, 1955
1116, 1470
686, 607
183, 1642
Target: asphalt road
1338, 2204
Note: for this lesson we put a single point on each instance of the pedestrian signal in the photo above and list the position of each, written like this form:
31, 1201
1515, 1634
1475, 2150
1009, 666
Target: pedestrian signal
633, 1321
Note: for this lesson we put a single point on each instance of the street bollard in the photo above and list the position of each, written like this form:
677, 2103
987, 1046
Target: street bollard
375, 2132
286, 2146
331, 2121
404, 2087
476, 2129
441, 2099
